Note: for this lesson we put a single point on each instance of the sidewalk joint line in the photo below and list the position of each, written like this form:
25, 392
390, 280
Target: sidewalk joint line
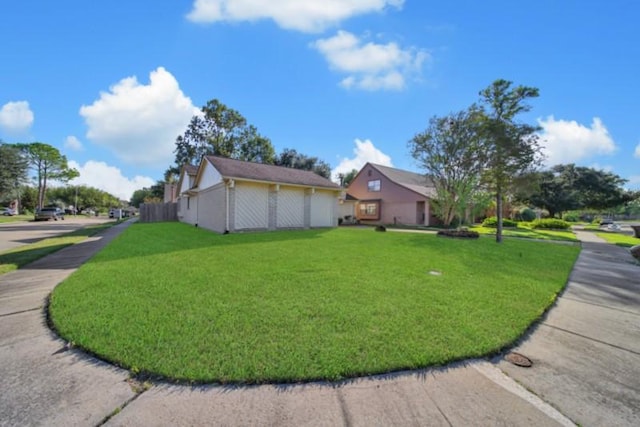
21, 311
119, 409
592, 339
601, 305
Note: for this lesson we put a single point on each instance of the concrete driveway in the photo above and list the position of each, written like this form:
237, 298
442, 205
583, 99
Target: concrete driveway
14, 234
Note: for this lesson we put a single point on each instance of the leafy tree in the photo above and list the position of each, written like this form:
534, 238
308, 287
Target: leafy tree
87, 197
553, 194
139, 197
28, 197
571, 187
153, 194
224, 132
451, 152
511, 148
347, 178
13, 169
292, 159
49, 164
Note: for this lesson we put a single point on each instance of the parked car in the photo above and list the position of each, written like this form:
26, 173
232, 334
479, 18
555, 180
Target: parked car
606, 221
45, 214
9, 212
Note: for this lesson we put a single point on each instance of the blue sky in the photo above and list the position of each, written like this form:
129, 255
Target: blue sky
111, 84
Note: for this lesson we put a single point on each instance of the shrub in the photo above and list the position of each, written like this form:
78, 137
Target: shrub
492, 221
465, 234
571, 217
551, 223
527, 214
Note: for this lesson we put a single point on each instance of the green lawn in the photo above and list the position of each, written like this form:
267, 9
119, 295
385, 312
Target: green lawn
624, 240
182, 303
15, 218
525, 232
15, 258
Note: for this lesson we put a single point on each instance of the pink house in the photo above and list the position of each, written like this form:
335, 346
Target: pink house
387, 195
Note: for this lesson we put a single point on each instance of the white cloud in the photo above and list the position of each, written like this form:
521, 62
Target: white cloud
300, 15
108, 178
73, 143
140, 123
568, 141
370, 66
636, 154
633, 182
364, 152
16, 117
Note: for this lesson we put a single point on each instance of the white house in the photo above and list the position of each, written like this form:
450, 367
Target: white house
231, 195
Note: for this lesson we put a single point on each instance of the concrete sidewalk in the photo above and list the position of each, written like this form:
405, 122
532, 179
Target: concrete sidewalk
586, 352
43, 383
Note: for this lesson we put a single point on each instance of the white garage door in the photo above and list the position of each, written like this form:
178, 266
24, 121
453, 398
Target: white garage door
323, 207
252, 206
290, 208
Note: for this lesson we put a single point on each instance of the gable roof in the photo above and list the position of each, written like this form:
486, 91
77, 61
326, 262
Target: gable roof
186, 170
238, 169
190, 169
415, 182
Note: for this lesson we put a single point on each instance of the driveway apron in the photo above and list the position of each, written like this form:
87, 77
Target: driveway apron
41, 381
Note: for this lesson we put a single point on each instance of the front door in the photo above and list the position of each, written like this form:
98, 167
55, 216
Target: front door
420, 215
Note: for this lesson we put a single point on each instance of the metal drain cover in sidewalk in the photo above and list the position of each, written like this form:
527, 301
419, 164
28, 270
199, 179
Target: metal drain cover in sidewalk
518, 359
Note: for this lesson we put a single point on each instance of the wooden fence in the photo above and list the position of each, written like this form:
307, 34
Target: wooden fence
157, 212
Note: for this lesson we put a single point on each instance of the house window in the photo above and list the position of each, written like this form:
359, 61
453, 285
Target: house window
373, 185
369, 210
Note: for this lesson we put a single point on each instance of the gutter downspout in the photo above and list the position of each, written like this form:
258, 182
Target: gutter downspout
226, 191
230, 184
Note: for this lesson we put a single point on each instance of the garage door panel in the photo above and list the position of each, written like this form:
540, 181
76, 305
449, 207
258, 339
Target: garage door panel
290, 208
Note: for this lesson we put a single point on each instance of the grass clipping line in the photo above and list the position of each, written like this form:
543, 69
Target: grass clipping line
184, 304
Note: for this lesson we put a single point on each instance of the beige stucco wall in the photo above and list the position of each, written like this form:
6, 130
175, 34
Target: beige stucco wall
211, 209
188, 209
210, 176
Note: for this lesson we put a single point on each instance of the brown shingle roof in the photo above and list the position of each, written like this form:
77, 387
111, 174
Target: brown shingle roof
191, 169
231, 168
416, 182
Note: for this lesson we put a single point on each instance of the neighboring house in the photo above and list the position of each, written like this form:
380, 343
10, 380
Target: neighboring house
186, 197
392, 196
231, 195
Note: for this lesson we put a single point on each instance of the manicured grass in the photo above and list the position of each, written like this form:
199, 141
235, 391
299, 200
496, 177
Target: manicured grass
624, 240
15, 258
182, 303
525, 232
15, 218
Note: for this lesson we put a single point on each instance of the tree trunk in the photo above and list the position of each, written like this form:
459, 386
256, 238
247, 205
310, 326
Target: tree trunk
499, 215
